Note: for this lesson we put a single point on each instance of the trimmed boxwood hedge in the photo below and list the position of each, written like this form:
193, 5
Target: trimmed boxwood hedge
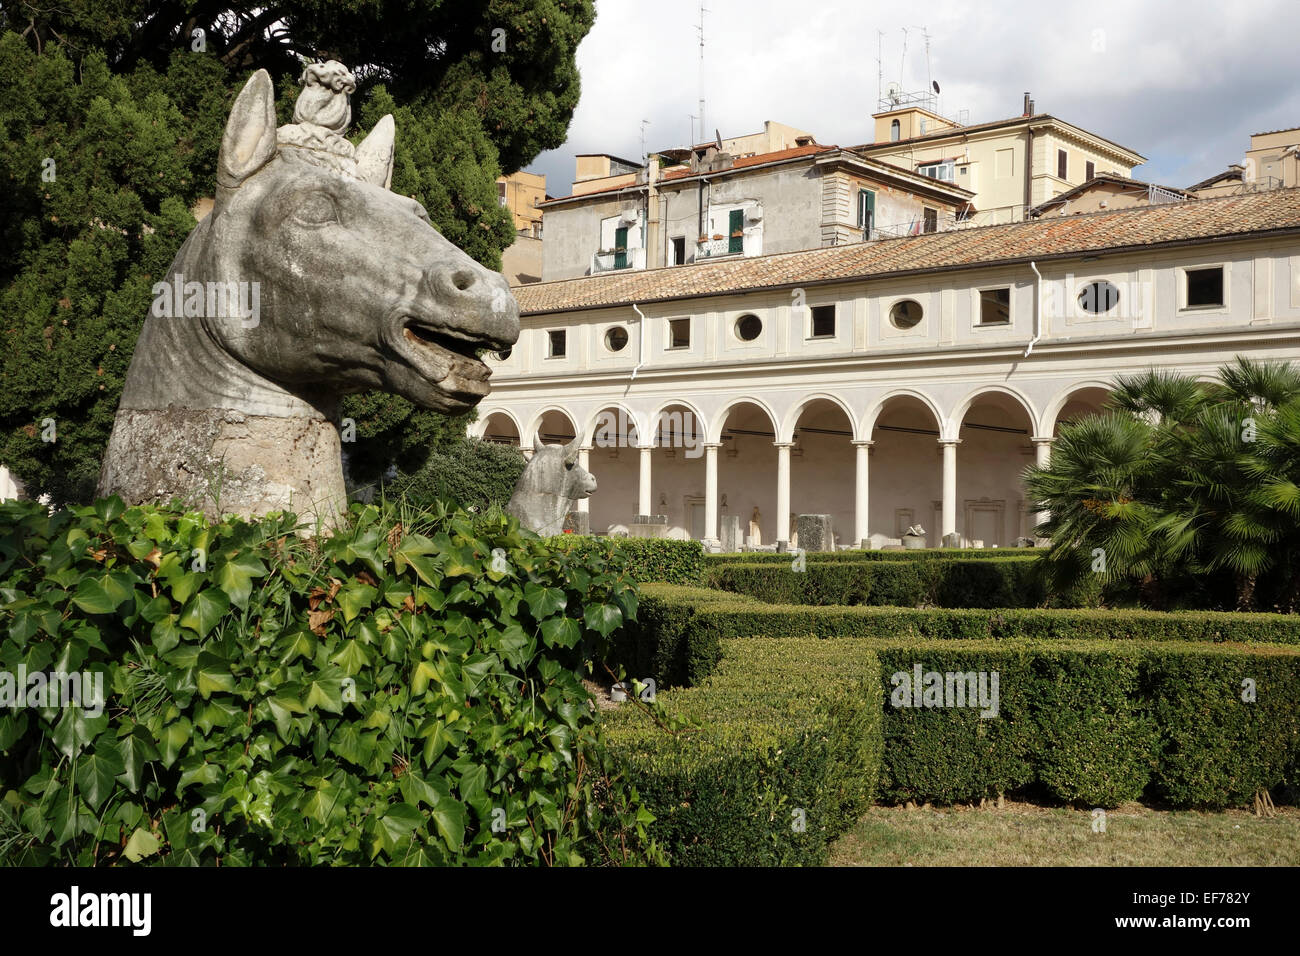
782, 728
678, 634
956, 583
646, 559
851, 557
1099, 723
1093, 723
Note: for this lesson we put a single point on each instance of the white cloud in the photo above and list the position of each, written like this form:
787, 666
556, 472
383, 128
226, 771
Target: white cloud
1184, 82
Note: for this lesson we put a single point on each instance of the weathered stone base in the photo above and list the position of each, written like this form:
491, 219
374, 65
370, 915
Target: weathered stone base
224, 462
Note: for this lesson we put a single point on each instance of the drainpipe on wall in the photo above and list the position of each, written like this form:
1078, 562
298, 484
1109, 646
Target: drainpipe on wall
1038, 309
640, 355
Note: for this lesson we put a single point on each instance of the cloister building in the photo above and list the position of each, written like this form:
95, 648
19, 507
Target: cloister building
887, 383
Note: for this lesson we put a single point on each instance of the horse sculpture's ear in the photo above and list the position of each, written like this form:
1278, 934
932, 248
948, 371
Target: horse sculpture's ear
571, 450
375, 154
248, 143
538, 444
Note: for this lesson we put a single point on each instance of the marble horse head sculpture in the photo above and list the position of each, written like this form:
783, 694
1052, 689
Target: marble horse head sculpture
551, 484
308, 281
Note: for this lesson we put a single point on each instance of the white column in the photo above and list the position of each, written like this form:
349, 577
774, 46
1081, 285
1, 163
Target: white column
1043, 457
711, 494
584, 462
861, 495
949, 446
783, 491
643, 496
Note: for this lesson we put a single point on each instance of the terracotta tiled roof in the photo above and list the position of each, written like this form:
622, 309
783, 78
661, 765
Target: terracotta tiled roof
758, 159
1105, 179
1277, 211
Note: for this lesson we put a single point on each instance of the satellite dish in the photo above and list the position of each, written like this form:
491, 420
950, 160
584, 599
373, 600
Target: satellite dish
935, 84
717, 139
893, 91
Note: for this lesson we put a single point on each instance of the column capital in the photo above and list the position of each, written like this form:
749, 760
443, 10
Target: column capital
783, 444
711, 445
1043, 439
645, 447
949, 441
864, 442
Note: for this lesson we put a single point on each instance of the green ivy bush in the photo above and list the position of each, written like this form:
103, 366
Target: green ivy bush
471, 473
647, 559
405, 692
784, 755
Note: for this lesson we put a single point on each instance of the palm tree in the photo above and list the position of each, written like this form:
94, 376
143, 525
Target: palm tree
1179, 481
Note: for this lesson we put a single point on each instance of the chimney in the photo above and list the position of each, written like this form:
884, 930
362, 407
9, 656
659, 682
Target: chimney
1028, 103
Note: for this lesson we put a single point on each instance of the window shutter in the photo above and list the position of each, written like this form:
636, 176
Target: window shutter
620, 242
866, 211
735, 223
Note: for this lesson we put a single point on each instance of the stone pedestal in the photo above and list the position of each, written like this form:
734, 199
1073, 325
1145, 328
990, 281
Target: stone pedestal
577, 522
815, 533
731, 539
648, 526
952, 540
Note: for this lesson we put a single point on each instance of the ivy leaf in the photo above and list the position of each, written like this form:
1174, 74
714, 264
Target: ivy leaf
603, 618
543, 601
136, 750
561, 632
449, 817
214, 674
96, 771
141, 844
399, 820
103, 594
325, 693
205, 610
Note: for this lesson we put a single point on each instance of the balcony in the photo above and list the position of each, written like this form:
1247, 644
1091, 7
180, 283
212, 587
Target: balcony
717, 248
617, 261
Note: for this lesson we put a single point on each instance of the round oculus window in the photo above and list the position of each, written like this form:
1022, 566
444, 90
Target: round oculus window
1098, 297
616, 338
749, 327
906, 314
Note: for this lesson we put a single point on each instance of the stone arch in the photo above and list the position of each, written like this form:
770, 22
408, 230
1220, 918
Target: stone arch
952, 426
1047, 425
873, 412
480, 428
701, 422
535, 425
594, 421
720, 420
786, 432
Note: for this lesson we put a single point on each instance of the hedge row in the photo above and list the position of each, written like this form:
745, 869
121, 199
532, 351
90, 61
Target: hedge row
1095, 723
835, 557
646, 559
958, 583
785, 757
679, 630
804, 724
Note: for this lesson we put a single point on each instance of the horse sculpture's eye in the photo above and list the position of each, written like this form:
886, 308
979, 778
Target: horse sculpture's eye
316, 209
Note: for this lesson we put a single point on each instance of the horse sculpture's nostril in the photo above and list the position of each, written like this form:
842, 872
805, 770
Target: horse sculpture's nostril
462, 279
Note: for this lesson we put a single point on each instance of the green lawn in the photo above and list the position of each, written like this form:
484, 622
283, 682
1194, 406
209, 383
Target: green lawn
1022, 834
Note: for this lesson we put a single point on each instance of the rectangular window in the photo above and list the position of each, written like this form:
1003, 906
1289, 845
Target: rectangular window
679, 333
620, 247
866, 212
679, 250
558, 341
823, 321
501, 194
1204, 287
1062, 164
1089, 170
931, 220
736, 231
945, 170
995, 306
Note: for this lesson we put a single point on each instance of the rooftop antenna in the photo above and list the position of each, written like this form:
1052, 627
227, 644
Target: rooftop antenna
700, 29
644, 155
880, 66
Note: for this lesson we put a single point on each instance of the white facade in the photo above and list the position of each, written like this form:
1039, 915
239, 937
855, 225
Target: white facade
879, 426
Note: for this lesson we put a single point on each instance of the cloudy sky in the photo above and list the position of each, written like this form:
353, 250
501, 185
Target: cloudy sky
1183, 82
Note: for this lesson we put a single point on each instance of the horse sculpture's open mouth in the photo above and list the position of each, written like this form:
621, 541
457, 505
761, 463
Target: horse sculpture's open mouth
454, 356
